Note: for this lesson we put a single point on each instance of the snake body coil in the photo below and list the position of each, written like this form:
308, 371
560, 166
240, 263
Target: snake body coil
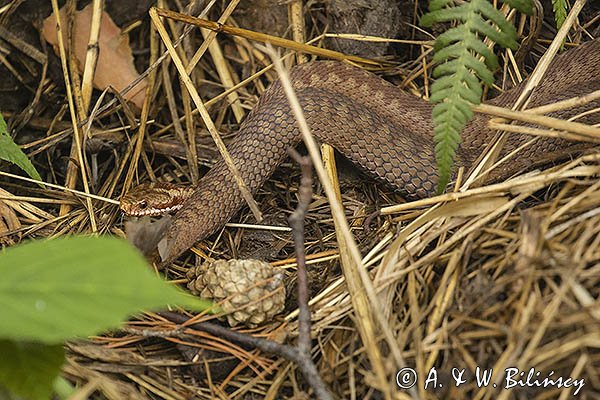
377, 126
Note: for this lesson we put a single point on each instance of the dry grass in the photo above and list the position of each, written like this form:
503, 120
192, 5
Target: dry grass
504, 275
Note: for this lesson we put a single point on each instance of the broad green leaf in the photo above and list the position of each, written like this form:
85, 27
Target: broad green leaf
52, 290
3, 128
10, 151
29, 369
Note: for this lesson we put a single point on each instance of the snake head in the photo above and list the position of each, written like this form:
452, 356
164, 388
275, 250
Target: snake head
152, 199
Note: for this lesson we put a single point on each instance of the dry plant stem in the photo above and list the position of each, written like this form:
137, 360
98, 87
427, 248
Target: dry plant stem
523, 357
76, 150
24, 47
106, 108
367, 308
92, 54
261, 37
541, 120
172, 105
516, 185
141, 133
66, 189
208, 39
205, 115
305, 364
352, 276
296, 220
541, 132
190, 128
377, 39
224, 74
565, 104
538, 74
296, 17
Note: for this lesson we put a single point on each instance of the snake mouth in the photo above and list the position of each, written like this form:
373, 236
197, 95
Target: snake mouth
148, 211
154, 199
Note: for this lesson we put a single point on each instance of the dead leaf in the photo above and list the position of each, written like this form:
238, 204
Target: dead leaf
115, 61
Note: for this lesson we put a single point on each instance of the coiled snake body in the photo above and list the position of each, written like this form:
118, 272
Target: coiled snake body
377, 126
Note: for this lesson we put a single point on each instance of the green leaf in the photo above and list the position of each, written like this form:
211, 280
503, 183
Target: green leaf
29, 369
10, 151
448, 125
560, 12
443, 15
508, 30
52, 290
524, 6
438, 4
463, 35
463, 61
470, 62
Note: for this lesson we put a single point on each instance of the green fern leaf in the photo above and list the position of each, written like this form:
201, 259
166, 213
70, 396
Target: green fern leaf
439, 4
447, 137
451, 49
507, 30
560, 12
469, 61
463, 33
524, 6
463, 62
506, 38
443, 15
464, 108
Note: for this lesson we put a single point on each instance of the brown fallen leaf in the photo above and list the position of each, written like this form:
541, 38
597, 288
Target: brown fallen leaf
115, 61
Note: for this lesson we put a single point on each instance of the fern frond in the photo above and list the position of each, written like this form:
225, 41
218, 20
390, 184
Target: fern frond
439, 4
468, 60
523, 6
462, 33
463, 61
560, 12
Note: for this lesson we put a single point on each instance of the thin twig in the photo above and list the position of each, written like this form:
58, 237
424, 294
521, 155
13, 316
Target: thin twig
76, 148
93, 50
364, 297
296, 220
308, 369
261, 37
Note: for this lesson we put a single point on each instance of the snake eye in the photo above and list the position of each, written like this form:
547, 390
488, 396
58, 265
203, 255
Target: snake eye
142, 204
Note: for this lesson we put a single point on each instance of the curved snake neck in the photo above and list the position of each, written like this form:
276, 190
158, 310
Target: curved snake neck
385, 131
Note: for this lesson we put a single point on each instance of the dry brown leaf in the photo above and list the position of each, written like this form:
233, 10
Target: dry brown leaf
115, 61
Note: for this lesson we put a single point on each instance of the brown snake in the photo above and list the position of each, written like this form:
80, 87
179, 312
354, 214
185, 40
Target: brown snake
377, 126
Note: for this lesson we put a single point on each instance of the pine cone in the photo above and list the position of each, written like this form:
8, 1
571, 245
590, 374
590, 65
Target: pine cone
249, 292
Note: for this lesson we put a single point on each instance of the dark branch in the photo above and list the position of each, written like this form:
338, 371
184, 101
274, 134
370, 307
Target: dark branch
301, 355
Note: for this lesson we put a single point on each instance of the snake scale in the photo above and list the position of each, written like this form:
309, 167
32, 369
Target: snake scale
385, 131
